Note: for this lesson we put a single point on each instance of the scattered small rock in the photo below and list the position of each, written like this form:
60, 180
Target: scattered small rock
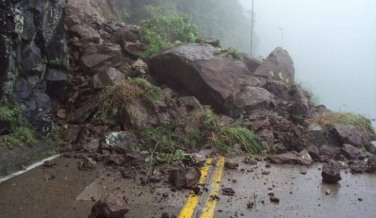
250, 205
303, 171
228, 191
265, 173
165, 215
360, 199
87, 164
274, 199
48, 163
231, 165
250, 161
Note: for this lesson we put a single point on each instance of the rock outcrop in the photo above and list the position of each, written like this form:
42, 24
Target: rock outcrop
34, 56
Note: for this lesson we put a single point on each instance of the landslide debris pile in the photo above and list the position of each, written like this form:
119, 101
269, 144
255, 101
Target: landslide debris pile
122, 109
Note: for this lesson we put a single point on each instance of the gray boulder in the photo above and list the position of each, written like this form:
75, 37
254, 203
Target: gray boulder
195, 69
107, 77
139, 115
315, 135
251, 98
331, 172
96, 57
301, 106
350, 151
277, 65
278, 89
116, 138
86, 33
109, 206
349, 134
251, 62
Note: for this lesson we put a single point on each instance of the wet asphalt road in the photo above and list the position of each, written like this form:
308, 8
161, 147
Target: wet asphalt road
72, 193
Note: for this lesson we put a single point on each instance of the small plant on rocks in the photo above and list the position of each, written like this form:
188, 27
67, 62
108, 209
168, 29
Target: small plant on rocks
21, 134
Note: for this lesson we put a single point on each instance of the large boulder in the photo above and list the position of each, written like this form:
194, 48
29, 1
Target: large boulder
86, 33
278, 65
251, 62
278, 89
139, 115
195, 69
251, 98
301, 106
349, 134
331, 172
185, 178
302, 158
107, 77
285, 158
135, 48
315, 135
96, 57
85, 112
126, 35
350, 151
109, 206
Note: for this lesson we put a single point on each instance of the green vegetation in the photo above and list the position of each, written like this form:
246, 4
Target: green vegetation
171, 137
329, 120
163, 31
230, 51
192, 138
21, 134
162, 137
19, 137
225, 136
9, 112
116, 97
152, 92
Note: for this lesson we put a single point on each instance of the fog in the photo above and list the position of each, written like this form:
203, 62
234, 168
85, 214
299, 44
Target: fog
332, 43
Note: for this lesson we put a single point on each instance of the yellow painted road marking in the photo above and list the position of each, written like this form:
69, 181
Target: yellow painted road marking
208, 211
192, 201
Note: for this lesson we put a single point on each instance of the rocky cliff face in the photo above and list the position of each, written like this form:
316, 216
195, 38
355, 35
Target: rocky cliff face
33, 55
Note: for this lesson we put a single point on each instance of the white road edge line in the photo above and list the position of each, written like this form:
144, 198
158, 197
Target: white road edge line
28, 168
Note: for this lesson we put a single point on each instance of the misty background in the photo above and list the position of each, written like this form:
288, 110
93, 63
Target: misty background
332, 43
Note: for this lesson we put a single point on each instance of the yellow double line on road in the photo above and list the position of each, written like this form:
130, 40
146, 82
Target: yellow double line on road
208, 211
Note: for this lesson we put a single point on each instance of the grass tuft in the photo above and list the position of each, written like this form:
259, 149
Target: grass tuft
329, 120
229, 51
116, 97
225, 136
150, 91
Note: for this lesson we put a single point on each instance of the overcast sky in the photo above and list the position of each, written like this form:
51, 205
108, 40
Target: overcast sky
332, 43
